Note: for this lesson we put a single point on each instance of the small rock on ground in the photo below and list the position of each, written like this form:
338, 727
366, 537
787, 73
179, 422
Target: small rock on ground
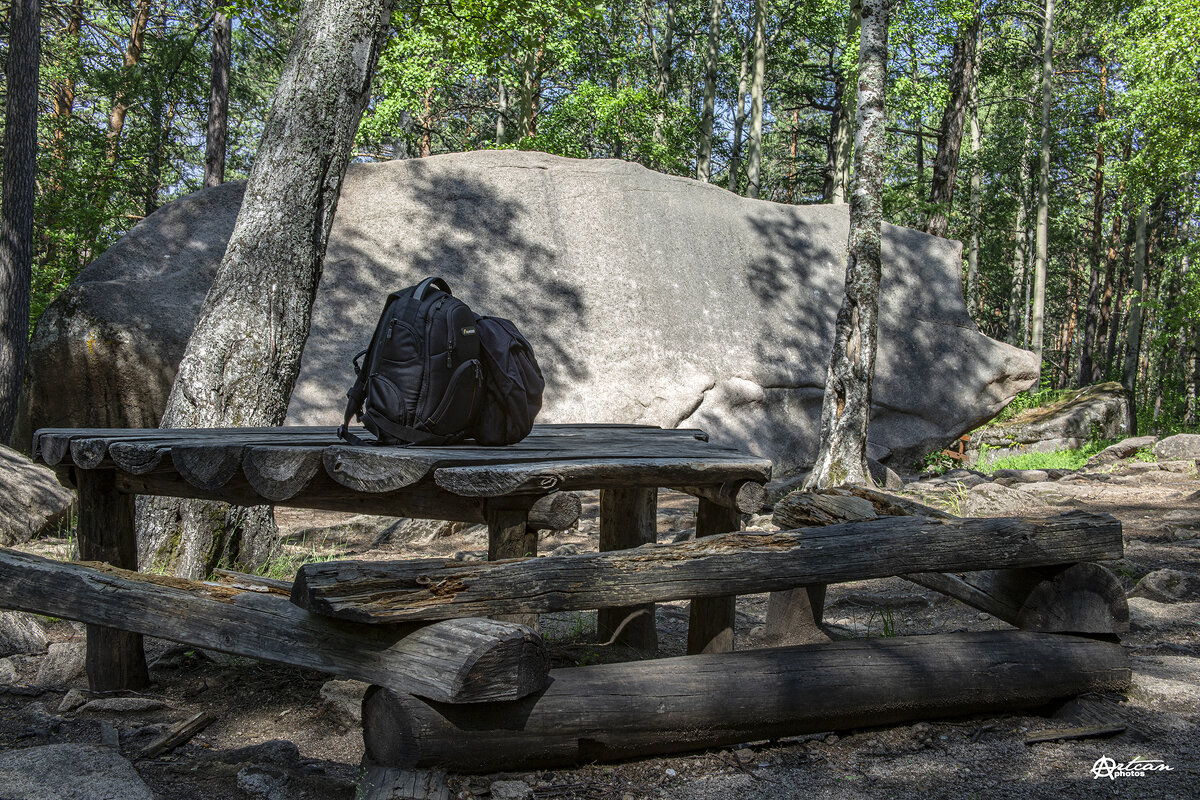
8, 672
78, 772
263, 782
1168, 586
994, 500
122, 705
1178, 447
511, 790
72, 700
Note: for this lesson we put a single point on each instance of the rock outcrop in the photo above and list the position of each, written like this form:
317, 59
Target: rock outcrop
31, 498
1094, 412
648, 298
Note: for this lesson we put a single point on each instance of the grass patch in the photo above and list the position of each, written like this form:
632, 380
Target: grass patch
1059, 459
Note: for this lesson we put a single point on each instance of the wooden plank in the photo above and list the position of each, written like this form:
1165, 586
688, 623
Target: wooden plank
628, 518
421, 502
642, 708
711, 619
727, 564
745, 496
115, 658
467, 660
178, 734
611, 472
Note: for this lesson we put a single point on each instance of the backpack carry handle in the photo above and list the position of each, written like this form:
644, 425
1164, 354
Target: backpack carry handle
423, 287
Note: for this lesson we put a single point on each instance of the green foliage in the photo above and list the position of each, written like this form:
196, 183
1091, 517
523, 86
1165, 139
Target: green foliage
1059, 459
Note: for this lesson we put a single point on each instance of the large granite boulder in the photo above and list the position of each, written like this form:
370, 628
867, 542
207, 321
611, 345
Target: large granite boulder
32, 501
1092, 413
648, 298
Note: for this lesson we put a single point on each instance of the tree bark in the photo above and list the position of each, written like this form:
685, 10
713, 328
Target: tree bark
739, 119
711, 62
243, 358
841, 136
133, 55
1016, 306
218, 101
945, 163
974, 306
1037, 323
1133, 346
1089, 366
846, 409
663, 59
16, 217
754, 157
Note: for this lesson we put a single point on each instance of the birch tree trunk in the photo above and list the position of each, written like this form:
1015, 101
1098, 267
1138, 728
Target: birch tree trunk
1133, 340
16, 214
241, 363
846, 410
218, 101
945, 162
501, 111
711, 62
1037, 323
754, 158
1016, 298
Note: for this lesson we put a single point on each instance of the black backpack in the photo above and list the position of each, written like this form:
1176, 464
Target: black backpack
513, 383
436, 373
421, 381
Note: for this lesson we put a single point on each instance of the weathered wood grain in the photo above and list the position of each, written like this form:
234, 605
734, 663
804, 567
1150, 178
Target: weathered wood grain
727, 564
279, 473
628, 518
115, 658
711, 619
555, 512
612, 472
1083, 598
747, 497
466, 660
643, 708
511, 537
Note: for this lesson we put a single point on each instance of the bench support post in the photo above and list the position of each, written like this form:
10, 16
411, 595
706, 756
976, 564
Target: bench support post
628, 518
710, 623
115, 659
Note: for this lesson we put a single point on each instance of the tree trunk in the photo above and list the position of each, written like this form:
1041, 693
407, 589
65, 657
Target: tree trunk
711, 62
133, 55
218, 101
64, 90
244, 355
1037, 323
531, 89
841, 147
663, 59
16, 216
739, 119
501, 111
846, 409
1089, 366
974, 306
1016, 306
945, 163
754, 159
1133, 339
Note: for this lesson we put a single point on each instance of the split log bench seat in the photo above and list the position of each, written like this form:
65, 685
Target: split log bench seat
514, 490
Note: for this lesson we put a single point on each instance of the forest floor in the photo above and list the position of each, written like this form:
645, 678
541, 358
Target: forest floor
277, 735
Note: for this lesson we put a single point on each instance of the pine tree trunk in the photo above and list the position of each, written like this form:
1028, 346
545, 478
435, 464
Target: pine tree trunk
16, 214
133, 56
841, 130
945, 162
754, 158
1037, 323
663, 64
1133, 340
241, 363
711, 63
218, 101
833, 187
846, 410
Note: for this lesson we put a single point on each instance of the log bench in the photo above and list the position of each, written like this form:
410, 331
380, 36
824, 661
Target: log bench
515, 490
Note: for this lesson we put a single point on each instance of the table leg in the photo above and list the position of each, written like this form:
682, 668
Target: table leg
115, 659
710, 624
509, 536
628, 518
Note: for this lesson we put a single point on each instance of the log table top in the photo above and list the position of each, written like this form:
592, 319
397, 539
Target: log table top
278, 465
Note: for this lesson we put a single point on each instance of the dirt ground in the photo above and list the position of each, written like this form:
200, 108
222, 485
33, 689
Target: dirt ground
982, 757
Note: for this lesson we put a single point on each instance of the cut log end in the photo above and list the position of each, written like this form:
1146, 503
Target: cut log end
555, 512
1083, 598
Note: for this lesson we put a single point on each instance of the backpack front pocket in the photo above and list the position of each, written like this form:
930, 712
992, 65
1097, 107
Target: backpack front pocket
460, 401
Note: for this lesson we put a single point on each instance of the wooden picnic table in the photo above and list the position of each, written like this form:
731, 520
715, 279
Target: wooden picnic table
309, 467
